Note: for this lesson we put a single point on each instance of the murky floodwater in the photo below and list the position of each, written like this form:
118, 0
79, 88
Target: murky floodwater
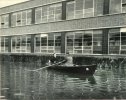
18, 83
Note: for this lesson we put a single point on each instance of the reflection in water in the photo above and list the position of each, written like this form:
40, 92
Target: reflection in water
20, 84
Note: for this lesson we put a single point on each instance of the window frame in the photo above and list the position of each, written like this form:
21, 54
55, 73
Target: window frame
21, 19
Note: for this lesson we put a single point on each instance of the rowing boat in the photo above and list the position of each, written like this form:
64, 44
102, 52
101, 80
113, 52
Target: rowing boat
82, 69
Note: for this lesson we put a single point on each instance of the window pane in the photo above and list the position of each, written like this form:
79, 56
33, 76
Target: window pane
97, 42
38, 15
88, 8
115, 6
58, 12
98, 7
78, 39
87, 38
114, 41
70, 10
6, 44
123, 1
29, 16
57, 42
70, 43
79, 8
44, 14
13, 20
51, 13
24, 18
5, 21
37, 43
19, 19
43, 39
51, 39
88, 4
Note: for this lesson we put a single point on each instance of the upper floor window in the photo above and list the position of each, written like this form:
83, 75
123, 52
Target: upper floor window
4, 21
80, 9
21, 18
88, 8
123, 6
48, 13
70, 13
115, 6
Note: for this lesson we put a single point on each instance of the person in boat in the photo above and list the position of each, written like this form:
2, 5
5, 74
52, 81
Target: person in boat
54, 58
69, 60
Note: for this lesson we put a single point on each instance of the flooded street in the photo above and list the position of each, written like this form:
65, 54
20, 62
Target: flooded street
19, 83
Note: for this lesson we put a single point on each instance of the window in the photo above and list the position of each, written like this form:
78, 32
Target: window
70, 42
21, 44
3, 44
70, 10
48, 13
38, 15
13, 20
98, 7
97, 42
51, 13
28, 17
80, 9
37, 43
88, 8
80, 42
57, 42
123, 6
117, 41
115, 6
44, 14
4, 21
114, 41
84, 42
58, 12
21, 18
87, 42
18, 20
123, 41
48, 43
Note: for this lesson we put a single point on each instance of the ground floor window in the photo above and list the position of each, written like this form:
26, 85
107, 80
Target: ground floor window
97, 42
48, 43
3, 44
123, 41
117, 41
21, 44
114, 41
84, 42
77, 42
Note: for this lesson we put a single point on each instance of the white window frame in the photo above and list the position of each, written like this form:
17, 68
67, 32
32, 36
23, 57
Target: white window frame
109, 43
71, 2
21, 18
6, 23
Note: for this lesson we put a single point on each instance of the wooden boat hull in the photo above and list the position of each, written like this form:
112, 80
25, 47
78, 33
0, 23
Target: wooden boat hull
84, 69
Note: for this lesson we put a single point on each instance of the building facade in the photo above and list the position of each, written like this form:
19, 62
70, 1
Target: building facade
54, 26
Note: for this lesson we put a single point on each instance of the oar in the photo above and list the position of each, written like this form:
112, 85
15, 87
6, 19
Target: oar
47, 66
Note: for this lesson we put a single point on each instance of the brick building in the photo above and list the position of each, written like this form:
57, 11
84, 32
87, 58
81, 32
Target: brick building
48, 26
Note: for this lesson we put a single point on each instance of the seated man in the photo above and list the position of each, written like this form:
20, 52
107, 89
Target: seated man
54, 59
69, 60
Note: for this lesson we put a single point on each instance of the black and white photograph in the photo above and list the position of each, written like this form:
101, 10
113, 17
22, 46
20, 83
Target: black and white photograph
62, 49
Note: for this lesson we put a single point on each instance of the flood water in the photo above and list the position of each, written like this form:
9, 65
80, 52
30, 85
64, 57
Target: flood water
19, 83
